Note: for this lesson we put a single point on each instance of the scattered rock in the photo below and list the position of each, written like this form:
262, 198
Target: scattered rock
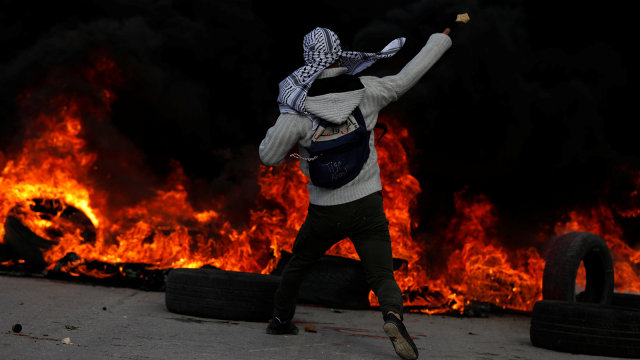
463, 18
310, 328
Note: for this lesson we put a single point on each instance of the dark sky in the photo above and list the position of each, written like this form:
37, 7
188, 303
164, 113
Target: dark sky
533, 105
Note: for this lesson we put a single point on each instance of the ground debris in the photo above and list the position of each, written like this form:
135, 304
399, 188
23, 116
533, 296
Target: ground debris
310, 328
32, 337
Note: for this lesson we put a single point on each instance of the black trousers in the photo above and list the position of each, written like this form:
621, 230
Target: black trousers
364, 222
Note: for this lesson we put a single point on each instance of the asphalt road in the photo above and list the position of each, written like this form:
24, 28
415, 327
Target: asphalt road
68, 320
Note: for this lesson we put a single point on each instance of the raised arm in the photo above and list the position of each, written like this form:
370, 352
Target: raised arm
411, 73
390, 88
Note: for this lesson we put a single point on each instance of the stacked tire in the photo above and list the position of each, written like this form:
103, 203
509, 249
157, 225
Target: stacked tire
596, 321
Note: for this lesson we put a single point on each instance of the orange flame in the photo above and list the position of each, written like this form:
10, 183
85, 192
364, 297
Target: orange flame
601, 220
479, 268
56, 167
163, 231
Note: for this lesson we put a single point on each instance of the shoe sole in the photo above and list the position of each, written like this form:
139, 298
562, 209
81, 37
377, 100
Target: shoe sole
400, 344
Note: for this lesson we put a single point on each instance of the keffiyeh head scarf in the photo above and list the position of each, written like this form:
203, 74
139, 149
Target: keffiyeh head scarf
321, 49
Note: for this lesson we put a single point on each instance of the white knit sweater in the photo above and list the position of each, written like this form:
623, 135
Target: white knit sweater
377, 93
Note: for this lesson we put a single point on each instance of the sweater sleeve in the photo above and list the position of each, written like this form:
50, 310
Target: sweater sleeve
389, 88
281, 137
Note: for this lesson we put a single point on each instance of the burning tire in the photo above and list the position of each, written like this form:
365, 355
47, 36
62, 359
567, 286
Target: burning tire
5, 253
586, 328
220, 294
563, 261
24, 244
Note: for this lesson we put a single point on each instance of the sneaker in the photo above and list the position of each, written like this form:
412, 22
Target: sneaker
402, 342
279, 327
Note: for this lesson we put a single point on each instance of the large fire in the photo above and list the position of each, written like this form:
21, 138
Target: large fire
54, 187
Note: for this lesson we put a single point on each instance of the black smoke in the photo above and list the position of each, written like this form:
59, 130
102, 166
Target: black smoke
533, 105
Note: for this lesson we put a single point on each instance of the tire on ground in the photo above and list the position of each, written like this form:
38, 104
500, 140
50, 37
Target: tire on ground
626, 300
333, 281
219, 294
338, 283
586, 328
563, 261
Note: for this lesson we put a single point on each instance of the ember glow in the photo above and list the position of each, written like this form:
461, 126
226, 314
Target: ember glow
478, 267
54, 186
55, 171
601, 220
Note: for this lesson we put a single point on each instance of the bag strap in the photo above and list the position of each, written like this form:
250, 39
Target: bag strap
384, 128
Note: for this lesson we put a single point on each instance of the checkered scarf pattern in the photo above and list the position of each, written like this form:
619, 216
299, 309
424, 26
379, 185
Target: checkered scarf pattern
321, 49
